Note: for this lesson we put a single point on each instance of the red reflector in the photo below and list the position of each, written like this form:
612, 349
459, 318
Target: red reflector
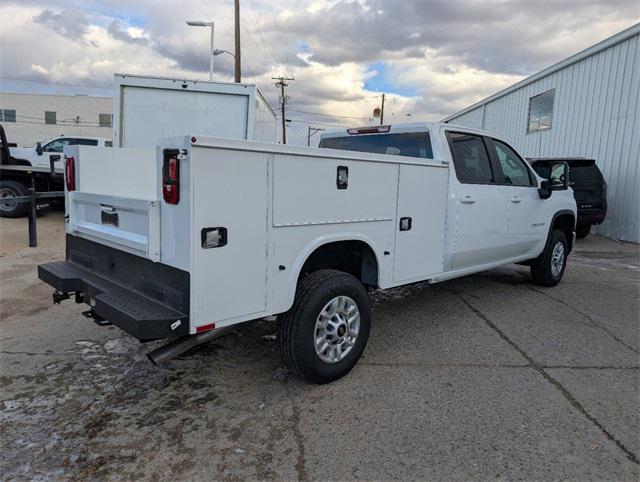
200, 329
70, 173
368, 130
171, 180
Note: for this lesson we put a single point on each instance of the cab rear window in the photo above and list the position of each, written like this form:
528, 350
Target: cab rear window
412, 144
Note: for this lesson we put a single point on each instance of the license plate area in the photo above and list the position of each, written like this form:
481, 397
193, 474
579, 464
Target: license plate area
109, 216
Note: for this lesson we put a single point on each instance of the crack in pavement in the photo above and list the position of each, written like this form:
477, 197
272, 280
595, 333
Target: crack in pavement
29, 353
540, 369
442, 365
585, 315
297, 435
496, 365
556, 367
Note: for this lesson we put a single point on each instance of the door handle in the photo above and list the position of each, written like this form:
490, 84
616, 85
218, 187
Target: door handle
467, 200
515, 199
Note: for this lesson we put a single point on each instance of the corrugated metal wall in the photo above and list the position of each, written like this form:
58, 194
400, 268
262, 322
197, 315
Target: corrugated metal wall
596, 114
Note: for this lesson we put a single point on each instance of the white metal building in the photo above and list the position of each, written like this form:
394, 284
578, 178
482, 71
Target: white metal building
29, 118
586, 105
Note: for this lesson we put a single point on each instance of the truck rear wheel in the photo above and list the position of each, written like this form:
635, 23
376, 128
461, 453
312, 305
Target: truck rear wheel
548, 268
8, 208
326, 330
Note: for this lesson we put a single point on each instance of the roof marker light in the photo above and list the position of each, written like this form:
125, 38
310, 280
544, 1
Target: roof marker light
368, 130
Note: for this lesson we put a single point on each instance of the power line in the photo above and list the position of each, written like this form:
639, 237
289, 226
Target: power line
302, 121
329, 115
52, 82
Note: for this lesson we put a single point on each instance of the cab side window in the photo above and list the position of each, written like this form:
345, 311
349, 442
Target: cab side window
56, 145
470, 158
514, 170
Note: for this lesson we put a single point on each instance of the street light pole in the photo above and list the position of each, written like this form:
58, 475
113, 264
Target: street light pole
200, 23
211, 56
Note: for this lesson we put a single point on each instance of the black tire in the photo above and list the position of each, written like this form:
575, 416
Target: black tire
9, 189
296, 328
542, 270
583, 230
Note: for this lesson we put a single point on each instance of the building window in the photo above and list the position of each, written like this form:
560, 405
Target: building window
541, 111
105, 120
7, 115
49, 117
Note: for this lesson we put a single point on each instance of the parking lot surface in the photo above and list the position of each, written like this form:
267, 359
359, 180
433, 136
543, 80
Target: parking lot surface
483, 377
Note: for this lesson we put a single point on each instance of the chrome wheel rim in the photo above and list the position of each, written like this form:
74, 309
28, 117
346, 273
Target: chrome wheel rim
5, 199
557, 259
337, 328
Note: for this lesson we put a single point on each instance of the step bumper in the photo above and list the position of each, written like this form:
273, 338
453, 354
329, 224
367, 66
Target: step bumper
140, 316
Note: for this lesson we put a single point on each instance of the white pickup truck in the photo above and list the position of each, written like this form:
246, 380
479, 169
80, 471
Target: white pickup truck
216, 232
43, 154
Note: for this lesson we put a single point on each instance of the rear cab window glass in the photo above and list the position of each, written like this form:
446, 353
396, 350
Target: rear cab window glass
411, 144
470, 158
580, 170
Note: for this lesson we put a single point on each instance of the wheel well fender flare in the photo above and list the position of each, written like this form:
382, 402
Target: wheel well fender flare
320, 241
564, 212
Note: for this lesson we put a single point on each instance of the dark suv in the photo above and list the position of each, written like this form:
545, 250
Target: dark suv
589, 189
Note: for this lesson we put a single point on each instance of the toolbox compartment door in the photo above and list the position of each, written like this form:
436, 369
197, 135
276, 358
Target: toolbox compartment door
131, 225
422, 202
229, 189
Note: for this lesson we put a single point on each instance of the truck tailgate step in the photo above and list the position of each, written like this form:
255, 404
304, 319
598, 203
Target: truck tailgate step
137, 314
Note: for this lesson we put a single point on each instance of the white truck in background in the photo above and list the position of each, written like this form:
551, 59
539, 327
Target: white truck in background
46, 152
216, 232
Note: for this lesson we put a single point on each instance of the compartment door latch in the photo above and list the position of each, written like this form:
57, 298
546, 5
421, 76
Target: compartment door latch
213, 237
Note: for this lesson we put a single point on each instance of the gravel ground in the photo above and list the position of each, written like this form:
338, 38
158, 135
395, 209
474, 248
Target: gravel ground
482, 377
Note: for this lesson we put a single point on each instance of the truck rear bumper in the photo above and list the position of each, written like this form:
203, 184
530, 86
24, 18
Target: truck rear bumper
591, 216
145, 299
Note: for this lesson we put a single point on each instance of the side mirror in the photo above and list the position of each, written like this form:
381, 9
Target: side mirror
558, 180
39, 149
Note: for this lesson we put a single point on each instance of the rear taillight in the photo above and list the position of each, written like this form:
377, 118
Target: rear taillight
70, 173
171, 178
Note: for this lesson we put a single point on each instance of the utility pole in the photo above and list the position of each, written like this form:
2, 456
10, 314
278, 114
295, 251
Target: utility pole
382, 111
282, 83
309, 133
237, 55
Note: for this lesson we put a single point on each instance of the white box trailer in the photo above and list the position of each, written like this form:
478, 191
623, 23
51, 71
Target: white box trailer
146, 108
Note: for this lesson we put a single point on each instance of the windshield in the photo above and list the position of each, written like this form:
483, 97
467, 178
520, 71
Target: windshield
411, 144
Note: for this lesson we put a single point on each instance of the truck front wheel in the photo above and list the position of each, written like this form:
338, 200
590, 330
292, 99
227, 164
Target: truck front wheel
9, 208
548, 268
326, 330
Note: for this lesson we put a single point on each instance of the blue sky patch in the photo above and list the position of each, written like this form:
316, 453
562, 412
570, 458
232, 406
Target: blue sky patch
383, 82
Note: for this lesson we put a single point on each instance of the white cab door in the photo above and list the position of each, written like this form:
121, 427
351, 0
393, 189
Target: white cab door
481, 208
526, 210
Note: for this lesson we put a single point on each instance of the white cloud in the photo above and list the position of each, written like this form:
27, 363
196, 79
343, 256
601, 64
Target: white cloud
446, 54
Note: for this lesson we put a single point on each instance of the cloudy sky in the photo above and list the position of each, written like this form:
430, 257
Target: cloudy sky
432, 58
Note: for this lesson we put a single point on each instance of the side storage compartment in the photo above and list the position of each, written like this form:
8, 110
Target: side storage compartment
229, 242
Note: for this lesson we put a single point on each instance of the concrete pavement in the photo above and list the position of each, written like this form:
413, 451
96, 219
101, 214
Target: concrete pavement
482, 377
